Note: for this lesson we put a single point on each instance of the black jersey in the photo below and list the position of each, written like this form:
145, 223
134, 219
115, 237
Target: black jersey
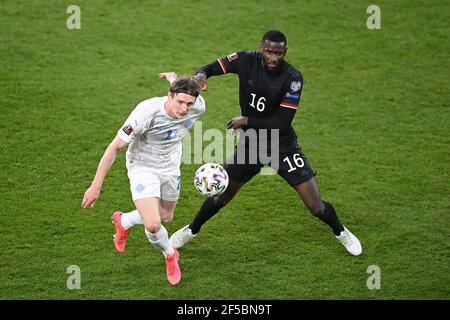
268, 99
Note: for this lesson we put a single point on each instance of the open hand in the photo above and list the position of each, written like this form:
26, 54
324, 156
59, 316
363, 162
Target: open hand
170, 76
90, 196
237, 122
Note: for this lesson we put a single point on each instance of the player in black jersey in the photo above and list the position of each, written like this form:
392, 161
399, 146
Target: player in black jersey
269, 95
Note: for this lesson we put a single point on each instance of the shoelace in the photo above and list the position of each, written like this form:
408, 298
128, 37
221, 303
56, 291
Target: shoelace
185, 235
171, 266
346, 240
123, 234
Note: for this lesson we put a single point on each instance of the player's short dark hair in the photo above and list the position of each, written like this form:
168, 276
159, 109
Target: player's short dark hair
274, 36
185, 85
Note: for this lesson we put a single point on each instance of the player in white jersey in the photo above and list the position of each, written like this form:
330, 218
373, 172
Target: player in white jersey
153, 133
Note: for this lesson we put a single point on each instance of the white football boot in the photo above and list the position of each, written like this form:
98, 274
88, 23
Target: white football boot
181, 237
350, 242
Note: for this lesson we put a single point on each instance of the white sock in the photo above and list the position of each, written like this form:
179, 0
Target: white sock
130, 219
160, 241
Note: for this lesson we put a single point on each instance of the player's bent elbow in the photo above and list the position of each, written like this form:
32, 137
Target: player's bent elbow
278, 125
281, 125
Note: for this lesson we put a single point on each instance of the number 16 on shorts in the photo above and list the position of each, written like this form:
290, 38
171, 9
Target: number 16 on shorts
297, 160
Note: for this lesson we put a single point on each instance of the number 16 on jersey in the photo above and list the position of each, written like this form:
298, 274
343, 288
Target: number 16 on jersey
260, 106
298, 161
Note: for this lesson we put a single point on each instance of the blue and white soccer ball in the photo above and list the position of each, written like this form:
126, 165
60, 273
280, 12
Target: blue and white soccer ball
211, 179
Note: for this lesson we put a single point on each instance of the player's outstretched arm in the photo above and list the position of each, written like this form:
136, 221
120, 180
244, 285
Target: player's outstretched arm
281, 120
93, 192
221, 66
200, 78
169, 76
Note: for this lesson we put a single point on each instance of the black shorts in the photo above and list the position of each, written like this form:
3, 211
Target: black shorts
292, 165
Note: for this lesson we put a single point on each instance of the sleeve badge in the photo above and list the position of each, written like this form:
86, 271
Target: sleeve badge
232, 56
296, 85
128, 129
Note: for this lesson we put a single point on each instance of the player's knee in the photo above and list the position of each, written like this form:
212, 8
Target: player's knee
167, 217
152, 226
316, 208
223, 199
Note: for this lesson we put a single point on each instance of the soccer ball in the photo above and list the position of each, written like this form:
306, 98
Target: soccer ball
211, 179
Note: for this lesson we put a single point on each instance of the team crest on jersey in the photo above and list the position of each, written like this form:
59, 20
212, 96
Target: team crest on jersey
296, 85
128, 129
188, 124
232, 56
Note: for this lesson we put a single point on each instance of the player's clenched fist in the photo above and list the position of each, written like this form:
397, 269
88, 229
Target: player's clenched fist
201, 79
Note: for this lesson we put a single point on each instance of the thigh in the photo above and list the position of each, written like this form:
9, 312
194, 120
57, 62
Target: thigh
170, 188
293, 165
148, 209
166, 209
144, 184
239, 171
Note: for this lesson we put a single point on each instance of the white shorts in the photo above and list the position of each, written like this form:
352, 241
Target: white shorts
147, 184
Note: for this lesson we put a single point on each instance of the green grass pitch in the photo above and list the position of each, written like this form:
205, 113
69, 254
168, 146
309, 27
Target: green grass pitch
374, 122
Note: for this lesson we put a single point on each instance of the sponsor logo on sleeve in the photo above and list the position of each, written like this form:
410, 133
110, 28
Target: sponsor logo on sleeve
292, 96
128, 129
232, 56
296, 85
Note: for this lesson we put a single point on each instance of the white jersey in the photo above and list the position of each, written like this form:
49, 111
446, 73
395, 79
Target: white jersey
155, 138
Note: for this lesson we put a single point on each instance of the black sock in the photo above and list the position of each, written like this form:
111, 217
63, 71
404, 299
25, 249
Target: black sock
209, 208
330, 218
